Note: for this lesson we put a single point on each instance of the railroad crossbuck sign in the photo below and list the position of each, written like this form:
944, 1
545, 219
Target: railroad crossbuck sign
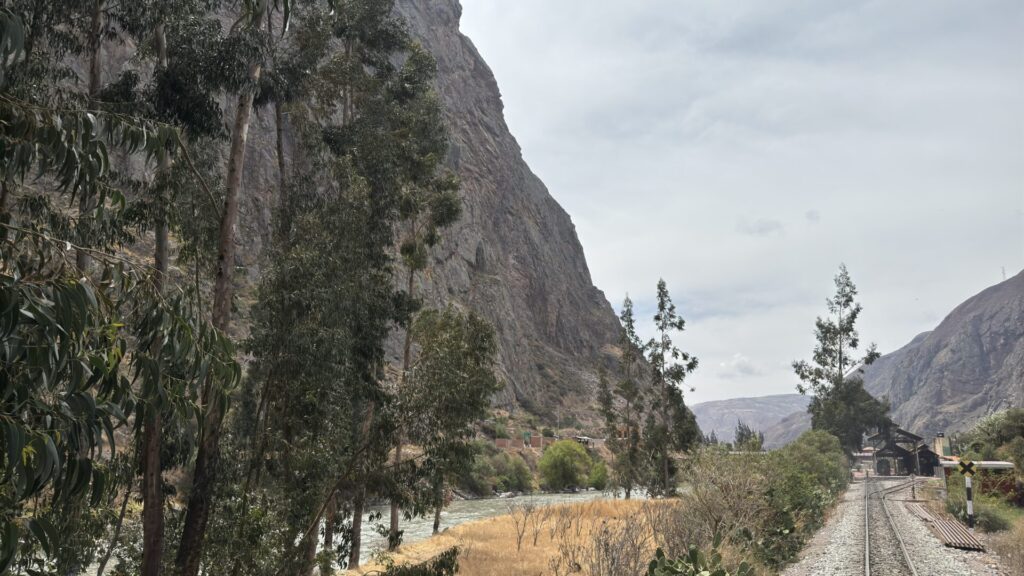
967, 468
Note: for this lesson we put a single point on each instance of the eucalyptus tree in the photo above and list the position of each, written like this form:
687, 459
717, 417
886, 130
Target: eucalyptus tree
450, 387
182, 91
428, 204
248, 34
78, 355
840, 404
623, 406
369, 142
670, 425
386, 92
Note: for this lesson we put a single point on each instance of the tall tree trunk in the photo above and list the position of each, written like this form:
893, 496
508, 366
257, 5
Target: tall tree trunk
95, 44
197, 514
152, 480
86, 204
223, 287
357, 526
282, 173
152, 496
438, 503
5, 193
278, 113
309, 556
664, 466
395, 511
330, 517
400, 436
117, 532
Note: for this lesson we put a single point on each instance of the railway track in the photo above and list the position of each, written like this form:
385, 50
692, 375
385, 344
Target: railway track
885, 553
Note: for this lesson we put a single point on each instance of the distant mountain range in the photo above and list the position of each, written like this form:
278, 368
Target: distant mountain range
969, 366
762, 413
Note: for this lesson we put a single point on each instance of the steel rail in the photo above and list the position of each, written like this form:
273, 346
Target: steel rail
882, 493
867, 528
892, 524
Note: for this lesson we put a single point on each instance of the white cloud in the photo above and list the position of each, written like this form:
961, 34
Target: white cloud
738, 366
759, 227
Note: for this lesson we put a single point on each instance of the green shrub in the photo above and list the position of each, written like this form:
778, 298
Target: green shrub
511, 473
564, 464
1014, 452
493, 469
999, 435
804, 480
598, 478
991, 513
480, 478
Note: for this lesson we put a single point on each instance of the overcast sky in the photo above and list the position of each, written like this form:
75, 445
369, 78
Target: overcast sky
743, 150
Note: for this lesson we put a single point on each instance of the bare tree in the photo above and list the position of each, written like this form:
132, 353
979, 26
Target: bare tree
618, 547
538, 520
521, 513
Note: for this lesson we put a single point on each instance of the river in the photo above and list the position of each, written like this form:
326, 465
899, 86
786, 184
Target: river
458, 512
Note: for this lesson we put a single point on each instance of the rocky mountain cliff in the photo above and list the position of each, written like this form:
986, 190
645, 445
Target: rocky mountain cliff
970, 365
514, 257
761, 413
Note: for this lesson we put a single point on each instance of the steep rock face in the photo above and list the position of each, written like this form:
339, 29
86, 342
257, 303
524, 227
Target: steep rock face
972, 364
514, 257
761, 413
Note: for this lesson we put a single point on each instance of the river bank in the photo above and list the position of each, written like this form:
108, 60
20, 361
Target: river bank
457, 513
559, 532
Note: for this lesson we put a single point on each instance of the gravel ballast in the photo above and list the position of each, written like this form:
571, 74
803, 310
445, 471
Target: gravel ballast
838, 548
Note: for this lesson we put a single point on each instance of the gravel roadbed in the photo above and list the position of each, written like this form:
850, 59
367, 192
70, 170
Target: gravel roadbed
837, 549
930, 555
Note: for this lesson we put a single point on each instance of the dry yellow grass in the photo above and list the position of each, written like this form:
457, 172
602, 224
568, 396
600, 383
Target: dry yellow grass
488, 547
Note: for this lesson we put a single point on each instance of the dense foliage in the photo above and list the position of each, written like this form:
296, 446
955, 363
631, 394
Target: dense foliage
118, 273
765, 506
806, 477
997, 436
998, 496
494, 470
565, 464
747, 439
